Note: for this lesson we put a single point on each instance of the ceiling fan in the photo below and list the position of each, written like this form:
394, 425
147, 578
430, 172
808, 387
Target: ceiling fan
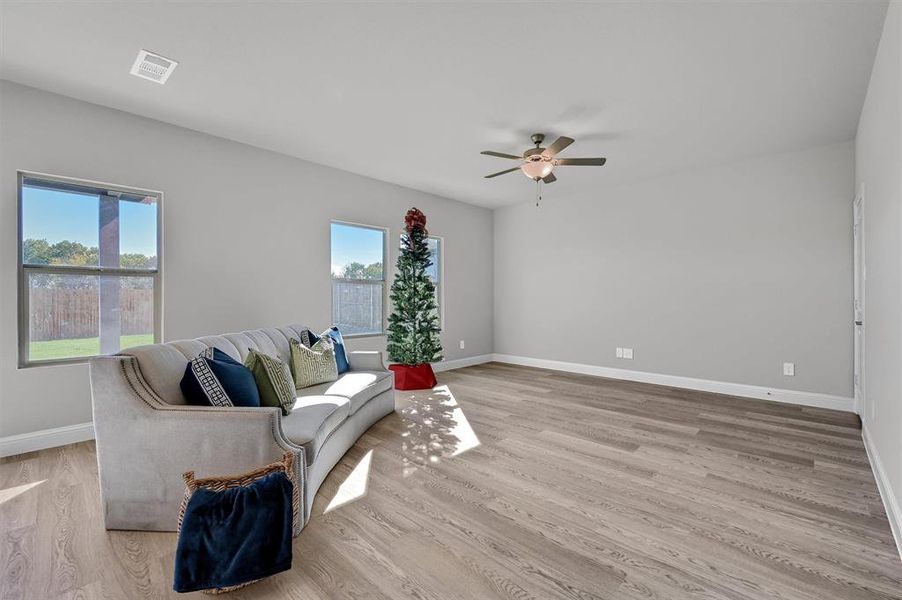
538, 163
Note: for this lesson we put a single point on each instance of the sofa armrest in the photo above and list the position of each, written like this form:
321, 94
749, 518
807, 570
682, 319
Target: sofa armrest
120, 395
144, 445
366, 360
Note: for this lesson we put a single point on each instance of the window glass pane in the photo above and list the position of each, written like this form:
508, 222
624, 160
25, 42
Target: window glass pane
73, 225
434, 245
357, 252
433, 270
138, 234
59, 227
357, 306
136, 314
73, 316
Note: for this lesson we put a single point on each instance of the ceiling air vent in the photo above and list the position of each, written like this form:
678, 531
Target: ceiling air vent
153, 66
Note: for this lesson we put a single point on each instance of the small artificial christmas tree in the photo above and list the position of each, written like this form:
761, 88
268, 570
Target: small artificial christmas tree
413, 326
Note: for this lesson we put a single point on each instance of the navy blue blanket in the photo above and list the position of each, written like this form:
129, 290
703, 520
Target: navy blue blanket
235, 536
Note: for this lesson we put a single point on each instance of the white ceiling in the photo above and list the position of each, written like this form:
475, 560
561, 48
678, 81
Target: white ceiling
410, 93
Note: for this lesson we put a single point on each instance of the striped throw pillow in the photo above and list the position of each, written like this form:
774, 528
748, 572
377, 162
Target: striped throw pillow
314, 365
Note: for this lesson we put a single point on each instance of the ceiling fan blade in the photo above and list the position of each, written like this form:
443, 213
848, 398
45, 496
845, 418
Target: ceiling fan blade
550, 178
558, 145
581, 162
501, 155
501, 173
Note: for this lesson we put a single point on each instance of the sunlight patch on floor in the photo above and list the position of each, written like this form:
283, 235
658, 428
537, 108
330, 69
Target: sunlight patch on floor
10, 493
354, 487
435, 427
460, 428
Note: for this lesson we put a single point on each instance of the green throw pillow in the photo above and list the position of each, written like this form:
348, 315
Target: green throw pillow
273, 379
313, 365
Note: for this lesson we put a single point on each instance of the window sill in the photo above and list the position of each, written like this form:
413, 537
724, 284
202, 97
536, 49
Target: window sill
353, 336
58, 362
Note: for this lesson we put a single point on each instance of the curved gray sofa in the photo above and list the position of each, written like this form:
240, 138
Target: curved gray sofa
147, 435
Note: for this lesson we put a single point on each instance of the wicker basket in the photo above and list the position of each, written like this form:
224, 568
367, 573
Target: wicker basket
220, 484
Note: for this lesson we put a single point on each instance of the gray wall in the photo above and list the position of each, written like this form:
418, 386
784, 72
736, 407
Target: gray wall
878, 168
246, 236
721, 274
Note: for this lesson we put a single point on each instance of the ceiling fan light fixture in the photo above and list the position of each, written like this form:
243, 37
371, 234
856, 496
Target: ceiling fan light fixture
537, 169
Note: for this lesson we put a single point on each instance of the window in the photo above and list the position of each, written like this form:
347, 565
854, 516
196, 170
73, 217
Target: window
358, 278
435, 273
89, 275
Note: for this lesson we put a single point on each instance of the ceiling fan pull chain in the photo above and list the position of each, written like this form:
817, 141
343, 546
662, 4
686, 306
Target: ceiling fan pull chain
538, 192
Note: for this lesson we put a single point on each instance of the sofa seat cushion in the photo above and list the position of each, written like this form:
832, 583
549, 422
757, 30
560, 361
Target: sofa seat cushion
312, 421
357, 386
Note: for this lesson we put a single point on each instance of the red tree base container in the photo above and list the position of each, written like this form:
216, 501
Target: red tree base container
413, 377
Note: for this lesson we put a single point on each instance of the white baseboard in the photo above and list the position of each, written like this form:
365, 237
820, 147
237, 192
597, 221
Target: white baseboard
691, 383
447, 365
46, 438
890, 502
60, 436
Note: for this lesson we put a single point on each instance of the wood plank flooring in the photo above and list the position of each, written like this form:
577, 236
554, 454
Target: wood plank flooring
509, 482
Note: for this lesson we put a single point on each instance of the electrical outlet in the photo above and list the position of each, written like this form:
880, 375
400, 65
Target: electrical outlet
619, 352
789, 369
461, 344
628, 353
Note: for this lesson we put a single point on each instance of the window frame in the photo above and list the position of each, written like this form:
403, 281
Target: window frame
440, 292
24, 329
440, 284
386, 233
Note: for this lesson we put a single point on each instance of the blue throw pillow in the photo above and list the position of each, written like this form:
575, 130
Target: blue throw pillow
214, 378
308, 338
341, 358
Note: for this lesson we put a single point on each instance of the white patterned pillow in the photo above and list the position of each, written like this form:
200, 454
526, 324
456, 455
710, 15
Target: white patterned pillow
206, 378
313, 365
307, 338
213, 378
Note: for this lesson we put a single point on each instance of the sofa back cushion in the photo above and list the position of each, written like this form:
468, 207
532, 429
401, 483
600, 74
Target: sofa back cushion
163, 365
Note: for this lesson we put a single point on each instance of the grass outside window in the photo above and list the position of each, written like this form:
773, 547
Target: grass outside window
80, 347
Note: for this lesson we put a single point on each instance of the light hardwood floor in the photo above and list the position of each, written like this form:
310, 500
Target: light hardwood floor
520, 483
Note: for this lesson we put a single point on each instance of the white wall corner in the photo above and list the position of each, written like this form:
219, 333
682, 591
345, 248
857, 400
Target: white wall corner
890, 502
690, 383
46, 438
